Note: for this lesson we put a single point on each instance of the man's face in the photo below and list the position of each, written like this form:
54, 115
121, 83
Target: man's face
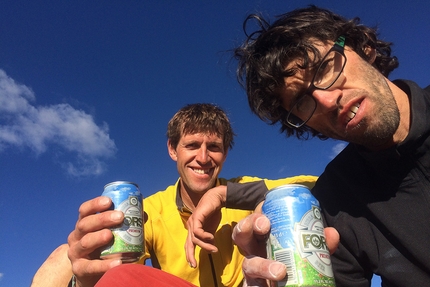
199, 158
359, 108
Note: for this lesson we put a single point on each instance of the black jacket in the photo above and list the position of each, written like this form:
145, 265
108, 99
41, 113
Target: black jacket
380, 204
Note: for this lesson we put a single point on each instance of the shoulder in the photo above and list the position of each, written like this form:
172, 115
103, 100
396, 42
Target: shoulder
239, 179
160, 199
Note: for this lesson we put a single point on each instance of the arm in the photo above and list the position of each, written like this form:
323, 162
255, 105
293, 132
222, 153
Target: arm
244, 195
92, 232
205, 219
248, 195
55, 271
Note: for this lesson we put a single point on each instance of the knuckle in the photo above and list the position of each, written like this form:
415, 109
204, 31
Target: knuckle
80, 226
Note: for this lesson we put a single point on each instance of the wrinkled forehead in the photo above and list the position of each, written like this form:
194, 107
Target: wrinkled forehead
199, 131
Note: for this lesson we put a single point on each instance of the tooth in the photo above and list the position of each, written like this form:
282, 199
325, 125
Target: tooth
352, 112
201, 171
354, 109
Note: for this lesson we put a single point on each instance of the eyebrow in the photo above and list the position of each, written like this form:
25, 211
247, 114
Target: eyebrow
192, 141
296, 94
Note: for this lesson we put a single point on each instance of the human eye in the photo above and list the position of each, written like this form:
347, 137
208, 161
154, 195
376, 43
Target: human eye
215, 147
303, 103
191, 145
325, 71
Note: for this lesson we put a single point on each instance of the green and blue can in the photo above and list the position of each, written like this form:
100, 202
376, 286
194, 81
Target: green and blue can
128, 237
297, 236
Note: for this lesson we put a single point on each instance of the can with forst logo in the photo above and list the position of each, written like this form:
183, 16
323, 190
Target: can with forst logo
128, 238
297, 236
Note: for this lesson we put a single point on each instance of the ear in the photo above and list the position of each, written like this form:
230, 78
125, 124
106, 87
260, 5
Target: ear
172, 151
370, 53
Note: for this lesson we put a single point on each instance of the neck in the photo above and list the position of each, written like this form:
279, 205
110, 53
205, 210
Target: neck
190, 199
404, 107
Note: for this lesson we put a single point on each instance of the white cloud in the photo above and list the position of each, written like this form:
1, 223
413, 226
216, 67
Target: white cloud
25, 125
1, 276
337, 149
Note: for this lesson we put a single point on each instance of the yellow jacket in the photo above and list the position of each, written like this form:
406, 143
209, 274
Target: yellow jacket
165, 234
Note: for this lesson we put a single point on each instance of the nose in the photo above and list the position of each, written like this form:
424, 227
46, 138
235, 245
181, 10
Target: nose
202, 155
328, 100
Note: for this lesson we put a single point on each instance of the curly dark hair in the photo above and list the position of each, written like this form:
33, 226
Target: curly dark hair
200, 118
265, 54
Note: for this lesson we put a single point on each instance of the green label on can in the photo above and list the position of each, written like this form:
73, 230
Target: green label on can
129, 236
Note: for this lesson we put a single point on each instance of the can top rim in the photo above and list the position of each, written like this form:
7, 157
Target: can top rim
121, 182
286, 185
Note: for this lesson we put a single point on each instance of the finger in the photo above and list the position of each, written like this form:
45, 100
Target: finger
251, 234
190, 251
256, 267
95, 222
85, 268
192, 241
243, 235
189, 246
95, 205
88, 246
197, 233
88, 272
332, 238
201, 234
254, 282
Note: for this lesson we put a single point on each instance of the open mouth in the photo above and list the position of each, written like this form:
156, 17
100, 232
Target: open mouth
352, 112
201, 171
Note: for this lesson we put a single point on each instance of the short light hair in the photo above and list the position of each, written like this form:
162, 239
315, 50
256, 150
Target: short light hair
200, 118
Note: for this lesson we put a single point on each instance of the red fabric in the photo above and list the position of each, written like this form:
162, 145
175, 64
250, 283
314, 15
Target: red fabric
136, 275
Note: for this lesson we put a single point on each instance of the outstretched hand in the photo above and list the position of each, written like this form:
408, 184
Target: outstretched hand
251, 234
203, 223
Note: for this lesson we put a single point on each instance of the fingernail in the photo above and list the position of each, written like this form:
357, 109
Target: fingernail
277, 268
258, 223
115, 263
239, 225
105, 201
116, 215
262, 223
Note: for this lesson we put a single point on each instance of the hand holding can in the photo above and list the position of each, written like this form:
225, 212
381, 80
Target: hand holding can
297, 236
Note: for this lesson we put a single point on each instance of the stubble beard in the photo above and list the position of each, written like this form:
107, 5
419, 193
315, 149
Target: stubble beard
379, 129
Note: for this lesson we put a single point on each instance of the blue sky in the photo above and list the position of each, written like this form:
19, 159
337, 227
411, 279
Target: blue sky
87, 89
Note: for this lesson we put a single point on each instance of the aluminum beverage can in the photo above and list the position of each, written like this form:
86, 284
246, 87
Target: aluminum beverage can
128, 238
297, 236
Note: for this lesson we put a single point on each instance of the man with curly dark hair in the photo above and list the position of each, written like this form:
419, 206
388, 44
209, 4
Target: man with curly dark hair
318, 74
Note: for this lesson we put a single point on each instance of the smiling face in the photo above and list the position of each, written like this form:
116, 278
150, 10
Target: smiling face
199, 158
359, 108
